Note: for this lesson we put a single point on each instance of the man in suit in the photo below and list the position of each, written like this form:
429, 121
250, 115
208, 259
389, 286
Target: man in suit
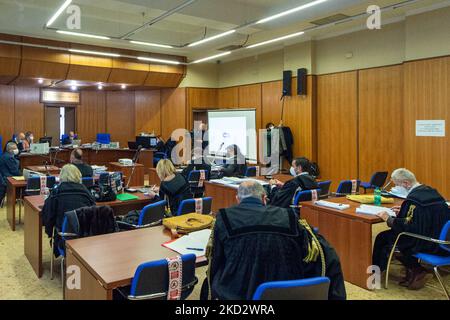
9, 167
76, 158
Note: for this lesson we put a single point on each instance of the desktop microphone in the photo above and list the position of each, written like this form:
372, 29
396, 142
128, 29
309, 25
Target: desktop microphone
47, 173
386, 185
135, 160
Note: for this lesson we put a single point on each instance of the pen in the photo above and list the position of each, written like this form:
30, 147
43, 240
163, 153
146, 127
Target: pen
195, 249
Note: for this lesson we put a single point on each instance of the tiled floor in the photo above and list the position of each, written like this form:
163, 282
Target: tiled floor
18, 280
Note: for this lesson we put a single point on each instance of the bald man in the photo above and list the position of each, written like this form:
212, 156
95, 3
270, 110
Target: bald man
76, 158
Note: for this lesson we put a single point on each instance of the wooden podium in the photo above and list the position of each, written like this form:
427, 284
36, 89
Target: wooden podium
137, 180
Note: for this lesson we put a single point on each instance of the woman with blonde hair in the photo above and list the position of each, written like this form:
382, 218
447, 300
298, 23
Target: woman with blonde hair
69, 195
174, 186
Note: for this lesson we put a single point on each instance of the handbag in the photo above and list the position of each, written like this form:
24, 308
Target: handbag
103, 193
190, 222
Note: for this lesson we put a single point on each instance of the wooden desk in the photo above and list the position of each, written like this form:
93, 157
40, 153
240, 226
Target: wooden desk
33, 227
42, 169
138, 176
153, 178
225, 196
109, 261
14, 191
349, 233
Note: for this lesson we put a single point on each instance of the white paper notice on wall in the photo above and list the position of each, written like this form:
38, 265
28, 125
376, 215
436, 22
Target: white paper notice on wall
430, 128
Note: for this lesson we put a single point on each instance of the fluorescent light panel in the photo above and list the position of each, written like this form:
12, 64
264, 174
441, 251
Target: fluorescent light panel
158, 60
284, 13
82, 35
97, 53
276, 39
151, 44
212, 57
220, 35
58, 13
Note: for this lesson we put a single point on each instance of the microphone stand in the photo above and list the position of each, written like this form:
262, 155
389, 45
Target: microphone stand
135, 160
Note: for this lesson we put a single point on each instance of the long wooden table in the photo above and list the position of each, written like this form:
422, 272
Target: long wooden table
100, 157
109, 261
33, 224
349, 233
225, 196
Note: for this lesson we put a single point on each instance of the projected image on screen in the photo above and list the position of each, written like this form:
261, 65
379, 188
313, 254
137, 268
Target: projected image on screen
232, 127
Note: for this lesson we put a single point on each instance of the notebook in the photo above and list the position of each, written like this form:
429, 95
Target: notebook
126, 197
186, 244
334, 205
374, 210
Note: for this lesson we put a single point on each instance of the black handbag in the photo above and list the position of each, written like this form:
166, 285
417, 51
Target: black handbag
103, 193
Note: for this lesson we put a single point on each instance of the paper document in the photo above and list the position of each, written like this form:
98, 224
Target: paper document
374, 210
194, 242
20, 178
334, 205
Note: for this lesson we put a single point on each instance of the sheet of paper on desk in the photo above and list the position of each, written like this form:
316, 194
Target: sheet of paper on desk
374, 210
334, 205
20, 178
197, 240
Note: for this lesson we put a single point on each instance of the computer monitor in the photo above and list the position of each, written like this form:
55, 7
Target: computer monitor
147, 142
46, 140
39, 148
132, 145
104, 138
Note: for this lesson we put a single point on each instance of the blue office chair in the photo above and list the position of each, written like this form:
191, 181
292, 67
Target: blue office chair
347, 187
325, 187
151, 280
306, 195
196, 179
33, 187
157, 156
303, 289
88, 182
190, 206
377, 181
251, 171
151, 215
434, 260
64, 137
103, 138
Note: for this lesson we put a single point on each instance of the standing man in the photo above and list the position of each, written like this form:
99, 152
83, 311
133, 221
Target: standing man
9, 167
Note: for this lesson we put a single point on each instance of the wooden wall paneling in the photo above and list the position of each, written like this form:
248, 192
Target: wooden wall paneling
427, 97
128, 72
120, 116
271, 104
173, 110
250, 97
91, 116
228, 98
337, 126
163, 80
43, 63
89, 68
6, 113
10, 58
199, 99
148, 111
29, 112
380, 120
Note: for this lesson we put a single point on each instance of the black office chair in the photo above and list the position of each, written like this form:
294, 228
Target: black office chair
196, 181
325, 187
347, 187
377, 181
151, 215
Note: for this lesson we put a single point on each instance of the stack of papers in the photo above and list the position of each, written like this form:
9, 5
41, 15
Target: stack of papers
235, 182
334, 205
374, 210
194, 242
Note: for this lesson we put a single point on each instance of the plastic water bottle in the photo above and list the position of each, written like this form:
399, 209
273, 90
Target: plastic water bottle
377, 197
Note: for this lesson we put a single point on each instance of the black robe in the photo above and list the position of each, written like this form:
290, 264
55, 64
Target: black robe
253, 244
424, 212
283, 197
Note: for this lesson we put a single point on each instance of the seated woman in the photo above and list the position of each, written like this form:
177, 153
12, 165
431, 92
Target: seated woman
174, 187
235, 164
69, 195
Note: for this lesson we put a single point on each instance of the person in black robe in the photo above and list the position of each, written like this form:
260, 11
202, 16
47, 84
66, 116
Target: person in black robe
235, 164
424, 212
253, 243
282, 194
198, 162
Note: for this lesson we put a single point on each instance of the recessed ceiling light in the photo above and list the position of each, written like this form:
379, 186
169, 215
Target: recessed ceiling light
212, 57
123, 86
296, 9
275, 40
77, 34
100, 86
151, 44
158, 60
74, 88
97, 53
58, 13
40, 81
220, 35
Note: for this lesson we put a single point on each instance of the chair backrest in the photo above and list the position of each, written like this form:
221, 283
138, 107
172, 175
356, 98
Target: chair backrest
378, 179
104, 138
251, 171
64, 137
34, 185
196, 178
88, 182
348, 187
152, 213
306, 195
445, 236
325, 187
304, 289
199, 205
151, 279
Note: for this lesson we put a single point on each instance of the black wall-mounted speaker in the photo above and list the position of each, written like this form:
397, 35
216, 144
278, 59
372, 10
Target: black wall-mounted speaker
287, 83
302, 83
